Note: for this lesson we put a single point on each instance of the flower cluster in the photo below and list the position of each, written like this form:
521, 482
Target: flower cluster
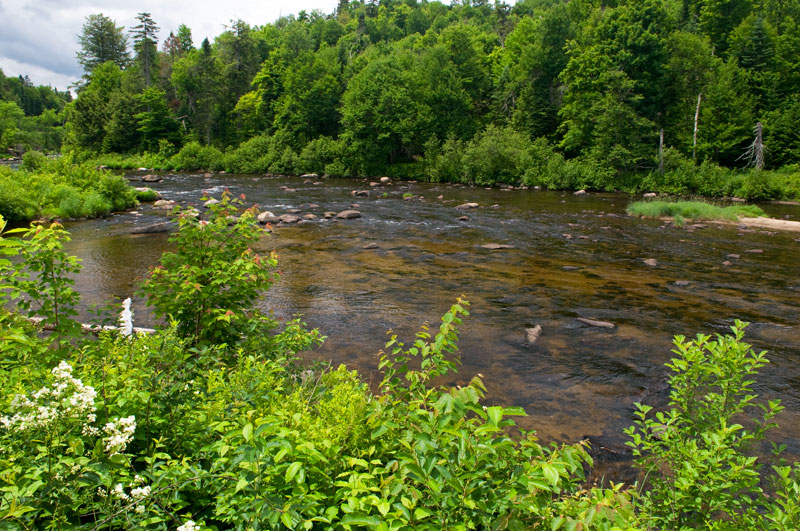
119, 434
126, 318
67, 398
188, 526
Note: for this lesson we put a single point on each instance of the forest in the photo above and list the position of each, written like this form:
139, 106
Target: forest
31, 117
669, 96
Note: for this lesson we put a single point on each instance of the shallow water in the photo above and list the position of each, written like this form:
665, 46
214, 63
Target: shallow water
575, 380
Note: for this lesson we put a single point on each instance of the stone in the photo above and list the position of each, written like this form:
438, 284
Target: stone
329, 215
439, 197
385, 180
293, 211
734, 256
290, 190
267, 217
165, 204
726, 263
532, 334
348, 214
304, 222
738, 200
595, 323
141, 169
360, 193
288, 218
152, 178
313, 205
567, 236
650, 195
309, 176
371, 246
570, 268
652, 262
682, 283
465, 206
155, 228
355, 206
373, 184
463, 218
580, 192
496, 246
147, 189
210, 202
755, 251
309, 217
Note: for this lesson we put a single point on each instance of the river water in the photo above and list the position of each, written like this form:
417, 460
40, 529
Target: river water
572, 256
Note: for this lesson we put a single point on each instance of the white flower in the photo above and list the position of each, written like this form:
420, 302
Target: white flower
140, 509
126, 318
119, 434
140, 492
188, 526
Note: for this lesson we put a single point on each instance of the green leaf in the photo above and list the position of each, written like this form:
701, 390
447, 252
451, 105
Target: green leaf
291, 472
420, 513
360, 519
247, 432
551, 473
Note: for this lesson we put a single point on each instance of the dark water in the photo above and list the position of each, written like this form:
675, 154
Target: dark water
575, 380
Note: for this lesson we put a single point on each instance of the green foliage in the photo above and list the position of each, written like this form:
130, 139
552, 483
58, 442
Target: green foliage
61, 188
695, 210
697, 457
194, 156
212, 280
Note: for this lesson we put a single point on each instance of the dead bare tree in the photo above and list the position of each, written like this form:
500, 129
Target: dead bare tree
754, 154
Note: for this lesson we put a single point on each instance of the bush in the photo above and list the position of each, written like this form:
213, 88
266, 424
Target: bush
194, 156
252, 156
318, 154
33, 160
497, 155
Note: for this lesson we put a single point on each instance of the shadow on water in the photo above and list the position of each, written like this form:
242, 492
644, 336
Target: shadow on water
571, 257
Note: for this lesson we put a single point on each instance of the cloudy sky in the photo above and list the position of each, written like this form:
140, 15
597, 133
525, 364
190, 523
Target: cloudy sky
38, 38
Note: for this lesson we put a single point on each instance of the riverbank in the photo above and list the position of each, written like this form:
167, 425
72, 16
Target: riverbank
540, 165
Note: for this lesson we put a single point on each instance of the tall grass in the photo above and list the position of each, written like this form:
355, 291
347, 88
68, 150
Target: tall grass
695, 210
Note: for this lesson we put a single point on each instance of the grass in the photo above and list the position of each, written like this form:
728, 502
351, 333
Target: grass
694, 210
147, 196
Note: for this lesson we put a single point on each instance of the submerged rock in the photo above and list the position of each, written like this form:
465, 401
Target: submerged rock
165, 204
371, 246
288, 218
465, 206
595, 323
580, 192
155, 228
652, 262
385, 180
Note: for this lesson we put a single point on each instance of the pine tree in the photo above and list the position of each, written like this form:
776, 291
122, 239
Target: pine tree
101, 40
145, 44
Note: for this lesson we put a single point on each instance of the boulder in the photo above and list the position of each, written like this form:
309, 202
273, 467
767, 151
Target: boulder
727, 263
496, 246
360, 193
288, 218
348, 214
682, 283
385, 180
309, 176
652, 262
293, 211
734, 256
463, 218
266, 217
755, 251
329, 215
372, 185
595, 323
210, 202
465, 206
309, 217
650, 195
155, 228
149, 190
313, 205
152, 178
532, 334
580, 192
355, 206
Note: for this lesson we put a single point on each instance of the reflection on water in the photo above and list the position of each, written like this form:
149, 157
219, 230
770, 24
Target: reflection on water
571, 257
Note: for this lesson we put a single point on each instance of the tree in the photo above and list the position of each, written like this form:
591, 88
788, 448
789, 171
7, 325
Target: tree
145, 39
10, 117
101, 41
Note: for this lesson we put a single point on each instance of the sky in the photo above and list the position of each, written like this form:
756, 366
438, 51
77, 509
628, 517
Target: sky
39, 38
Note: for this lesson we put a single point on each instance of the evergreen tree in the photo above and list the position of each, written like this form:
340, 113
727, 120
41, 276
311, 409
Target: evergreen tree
101, 41
145, 39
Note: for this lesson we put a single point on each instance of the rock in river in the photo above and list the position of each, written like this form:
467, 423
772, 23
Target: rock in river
467, 205
598, 324
348, 214
267, 217
496, 246
152, 179
652, 262
155, 228
288, 218
165, 204
532, 334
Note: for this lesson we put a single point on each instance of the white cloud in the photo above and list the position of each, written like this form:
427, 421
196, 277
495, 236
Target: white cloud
38, 38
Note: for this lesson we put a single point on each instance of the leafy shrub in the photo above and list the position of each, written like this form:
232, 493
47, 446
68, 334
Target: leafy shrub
496, 155
318, 154
699, 471
212, 280
147, 195
252, 156
194, 156
33, 160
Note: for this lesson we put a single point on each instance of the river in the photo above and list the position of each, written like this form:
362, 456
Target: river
572, 256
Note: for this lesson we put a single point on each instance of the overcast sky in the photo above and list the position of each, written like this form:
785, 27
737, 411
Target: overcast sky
38, 38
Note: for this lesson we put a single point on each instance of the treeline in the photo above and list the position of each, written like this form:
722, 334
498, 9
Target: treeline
31, 117
471, 91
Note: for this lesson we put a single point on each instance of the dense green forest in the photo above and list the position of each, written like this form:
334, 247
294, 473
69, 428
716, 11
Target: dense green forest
31, 117
471, 91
